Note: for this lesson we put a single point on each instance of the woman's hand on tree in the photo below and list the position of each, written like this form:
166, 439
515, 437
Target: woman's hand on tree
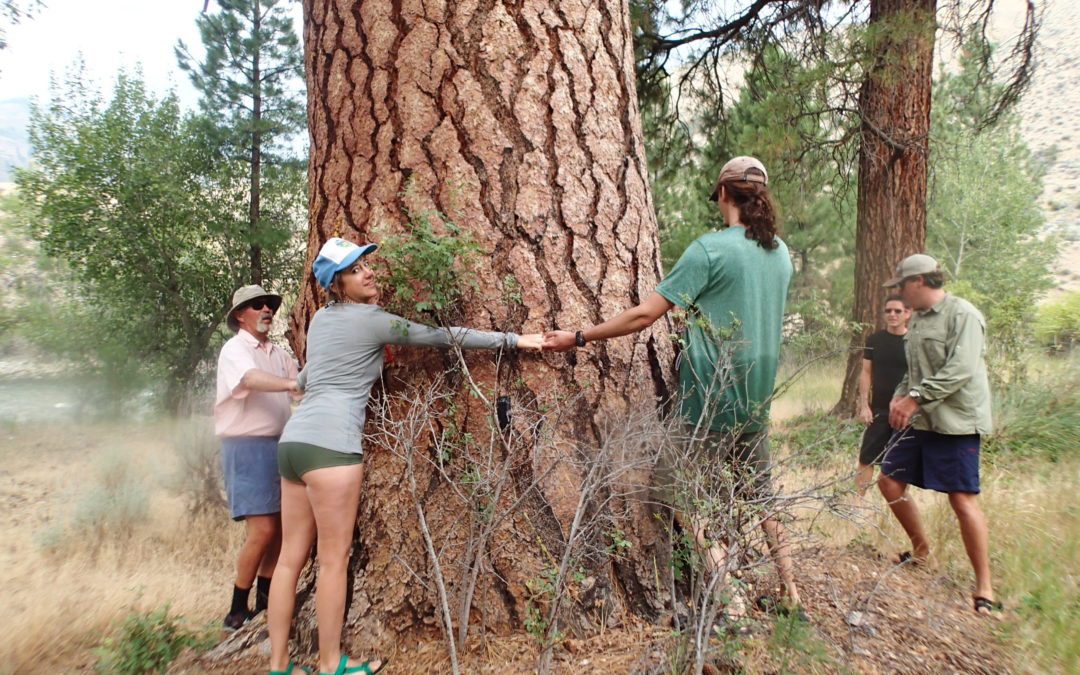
531, 341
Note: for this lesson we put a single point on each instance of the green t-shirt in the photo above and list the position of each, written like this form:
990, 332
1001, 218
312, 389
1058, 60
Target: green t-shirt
734, 291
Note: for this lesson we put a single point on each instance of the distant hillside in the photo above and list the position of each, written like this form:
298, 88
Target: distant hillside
1050, 123
14, 143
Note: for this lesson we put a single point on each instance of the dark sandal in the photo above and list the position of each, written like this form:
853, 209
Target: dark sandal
989, 605
769, 605
907, 558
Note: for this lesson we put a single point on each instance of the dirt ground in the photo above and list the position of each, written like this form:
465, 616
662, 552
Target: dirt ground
867, 616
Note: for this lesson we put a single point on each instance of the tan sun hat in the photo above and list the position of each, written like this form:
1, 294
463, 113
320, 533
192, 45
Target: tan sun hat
920, 263
246, 294
744, 168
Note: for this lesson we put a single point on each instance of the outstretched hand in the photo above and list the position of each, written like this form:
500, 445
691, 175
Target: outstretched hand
559, 340
531, 341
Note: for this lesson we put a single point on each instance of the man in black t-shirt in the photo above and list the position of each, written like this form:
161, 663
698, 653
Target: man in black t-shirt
884, 365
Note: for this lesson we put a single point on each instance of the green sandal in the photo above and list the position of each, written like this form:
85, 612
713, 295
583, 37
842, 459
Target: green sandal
288, 670
364, 668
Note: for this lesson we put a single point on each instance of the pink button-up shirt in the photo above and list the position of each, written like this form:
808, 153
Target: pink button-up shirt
239, 411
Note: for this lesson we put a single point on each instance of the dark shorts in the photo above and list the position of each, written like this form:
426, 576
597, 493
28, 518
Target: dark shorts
252, 484
296, 459
718, 463
933, 461
875, 438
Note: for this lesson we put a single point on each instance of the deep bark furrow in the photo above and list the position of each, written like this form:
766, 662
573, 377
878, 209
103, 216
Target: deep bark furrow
364, 191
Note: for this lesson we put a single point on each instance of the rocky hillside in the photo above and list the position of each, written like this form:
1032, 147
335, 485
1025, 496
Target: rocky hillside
1051, 126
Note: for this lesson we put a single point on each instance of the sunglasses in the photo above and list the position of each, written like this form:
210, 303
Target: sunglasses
257, 305
894, 311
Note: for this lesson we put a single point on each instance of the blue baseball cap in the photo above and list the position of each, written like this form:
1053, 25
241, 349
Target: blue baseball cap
335, 255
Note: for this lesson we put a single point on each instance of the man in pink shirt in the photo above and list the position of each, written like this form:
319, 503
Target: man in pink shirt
254, 382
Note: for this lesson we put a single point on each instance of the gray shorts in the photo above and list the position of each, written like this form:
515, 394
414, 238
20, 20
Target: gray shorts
252, 482
716, 464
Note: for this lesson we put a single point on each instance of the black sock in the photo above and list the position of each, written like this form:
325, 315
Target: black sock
262, 593
239, 599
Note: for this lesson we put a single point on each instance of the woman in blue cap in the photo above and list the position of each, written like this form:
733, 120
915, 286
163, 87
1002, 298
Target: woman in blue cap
320, 454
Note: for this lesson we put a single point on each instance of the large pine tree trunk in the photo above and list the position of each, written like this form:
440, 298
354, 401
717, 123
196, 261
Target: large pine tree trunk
519, 120
893, 160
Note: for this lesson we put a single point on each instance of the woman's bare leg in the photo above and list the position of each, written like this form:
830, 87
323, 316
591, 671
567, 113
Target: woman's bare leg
297, 532
335, 498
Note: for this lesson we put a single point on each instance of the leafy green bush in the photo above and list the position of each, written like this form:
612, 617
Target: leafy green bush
147, 641
426, 278
1039, 417
1057, 323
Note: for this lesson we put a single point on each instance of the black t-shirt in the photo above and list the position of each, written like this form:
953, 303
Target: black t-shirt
888, 364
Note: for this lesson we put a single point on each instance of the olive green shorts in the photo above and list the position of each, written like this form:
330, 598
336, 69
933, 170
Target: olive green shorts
296, 459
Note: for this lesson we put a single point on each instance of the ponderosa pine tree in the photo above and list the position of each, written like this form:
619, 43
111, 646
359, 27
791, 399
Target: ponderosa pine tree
519, 124
251, 80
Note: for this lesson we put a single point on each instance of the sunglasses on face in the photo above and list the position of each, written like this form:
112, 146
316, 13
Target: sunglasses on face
894, 311
257, 305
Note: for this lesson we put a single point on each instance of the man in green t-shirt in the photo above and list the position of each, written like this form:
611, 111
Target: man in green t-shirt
732, 284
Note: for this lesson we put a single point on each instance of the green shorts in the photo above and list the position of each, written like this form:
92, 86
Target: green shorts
296, 459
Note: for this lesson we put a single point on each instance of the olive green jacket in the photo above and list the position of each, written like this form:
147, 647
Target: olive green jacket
944, 347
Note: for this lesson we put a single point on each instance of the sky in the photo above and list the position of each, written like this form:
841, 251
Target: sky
110, 35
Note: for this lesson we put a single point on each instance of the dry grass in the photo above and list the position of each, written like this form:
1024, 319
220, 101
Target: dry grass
1030, 505
64, 598
67, 584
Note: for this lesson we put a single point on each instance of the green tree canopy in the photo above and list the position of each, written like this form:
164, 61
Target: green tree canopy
983, 220
119, 191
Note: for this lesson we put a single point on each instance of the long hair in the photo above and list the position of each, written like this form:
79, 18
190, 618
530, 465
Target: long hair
756, 211
334, 294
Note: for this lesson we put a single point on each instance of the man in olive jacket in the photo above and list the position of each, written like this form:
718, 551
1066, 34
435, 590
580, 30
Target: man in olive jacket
945, 398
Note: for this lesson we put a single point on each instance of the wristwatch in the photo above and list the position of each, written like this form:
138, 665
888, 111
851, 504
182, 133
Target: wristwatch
914, 393
579, 339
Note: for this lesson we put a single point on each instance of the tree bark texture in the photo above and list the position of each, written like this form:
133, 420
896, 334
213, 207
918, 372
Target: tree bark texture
519, 121
893, 160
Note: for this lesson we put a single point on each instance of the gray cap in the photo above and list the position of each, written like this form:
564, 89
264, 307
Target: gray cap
247, 294
920, 263
744, 168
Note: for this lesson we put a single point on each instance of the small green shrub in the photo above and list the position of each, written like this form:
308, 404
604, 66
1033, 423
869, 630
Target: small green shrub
1057, 323
147, 641
427, 278
796, 648
1039, 417
117, 502
815, 439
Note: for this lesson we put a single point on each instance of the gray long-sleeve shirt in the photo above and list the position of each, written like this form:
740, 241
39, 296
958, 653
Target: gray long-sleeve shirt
345, 358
